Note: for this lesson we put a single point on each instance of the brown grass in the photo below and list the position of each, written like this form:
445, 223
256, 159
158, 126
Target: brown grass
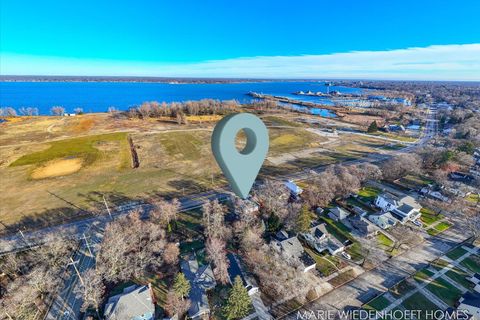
57, 168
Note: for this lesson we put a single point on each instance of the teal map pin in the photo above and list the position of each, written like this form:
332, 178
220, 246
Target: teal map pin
240, 167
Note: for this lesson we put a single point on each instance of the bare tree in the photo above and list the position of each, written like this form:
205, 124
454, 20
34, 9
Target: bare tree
176, 305
57, 111
165, 211
273, 196
217, 255
78, 110
402, 165
214, 220
171, 253
91, 289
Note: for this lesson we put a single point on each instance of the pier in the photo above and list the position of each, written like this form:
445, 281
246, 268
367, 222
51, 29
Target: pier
307, 104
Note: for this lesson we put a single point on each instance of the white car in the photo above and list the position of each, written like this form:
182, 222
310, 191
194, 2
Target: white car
346, 255
417, 223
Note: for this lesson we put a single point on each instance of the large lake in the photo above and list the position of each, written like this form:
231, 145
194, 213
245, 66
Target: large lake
99, 96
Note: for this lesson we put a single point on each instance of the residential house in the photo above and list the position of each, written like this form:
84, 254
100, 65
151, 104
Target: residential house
362, 226
320, 239
383, 220
395, 128
295, 190
201, 280
406, 213
359, 211
135, 302
404, 208
245, 207
291, 248
470, 302
235, 270
386, 201
338, 214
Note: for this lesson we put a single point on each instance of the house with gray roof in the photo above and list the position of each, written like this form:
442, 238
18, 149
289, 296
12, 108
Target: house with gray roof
338, 214
321, 240
134, 303
404, 208
383, 220
291, 248
201, 280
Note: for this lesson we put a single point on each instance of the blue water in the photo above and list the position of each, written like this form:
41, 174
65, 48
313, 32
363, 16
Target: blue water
99, 96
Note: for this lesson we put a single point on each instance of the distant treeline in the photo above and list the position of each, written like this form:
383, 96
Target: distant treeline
154, 109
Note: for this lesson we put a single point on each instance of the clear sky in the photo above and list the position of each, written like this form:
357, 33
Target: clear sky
216, 38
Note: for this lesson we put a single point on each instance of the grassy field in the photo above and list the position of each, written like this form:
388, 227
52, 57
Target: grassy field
472, 263
379, 303
419, 302
87, 148
444, 290
439, 228
402, 288
428, 216
57, 169
459, 276
368, 193
456, 253
423, 275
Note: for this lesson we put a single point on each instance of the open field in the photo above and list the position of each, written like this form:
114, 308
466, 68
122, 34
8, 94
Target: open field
57, 169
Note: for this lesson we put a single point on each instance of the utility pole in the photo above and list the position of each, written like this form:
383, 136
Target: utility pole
106, 206
73, 263
24, 239
88, 245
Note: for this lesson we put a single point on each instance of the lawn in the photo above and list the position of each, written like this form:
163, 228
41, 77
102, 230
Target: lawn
473, 197
472, 263
338, 229
415, 181
456, 253
342, 278
325, 265
83, 147
459, 276
379, 303
159, 286
428, 216
439, 228
445, 291
439, 264
368, 193
401, 288
418, 301
385, 241
423, 275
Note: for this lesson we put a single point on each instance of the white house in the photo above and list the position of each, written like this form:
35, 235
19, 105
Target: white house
338, 214
402, 208
319, 238
293, 188
386, 201
383, 220
470, 302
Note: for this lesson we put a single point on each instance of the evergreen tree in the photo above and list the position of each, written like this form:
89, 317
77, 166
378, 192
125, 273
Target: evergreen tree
373, 127
238, 303
181, 286
304, 219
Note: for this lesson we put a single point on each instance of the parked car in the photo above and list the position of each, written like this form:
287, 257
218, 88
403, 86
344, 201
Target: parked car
346, 255
417, 223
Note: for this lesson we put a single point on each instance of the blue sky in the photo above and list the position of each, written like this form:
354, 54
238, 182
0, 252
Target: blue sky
251, 38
